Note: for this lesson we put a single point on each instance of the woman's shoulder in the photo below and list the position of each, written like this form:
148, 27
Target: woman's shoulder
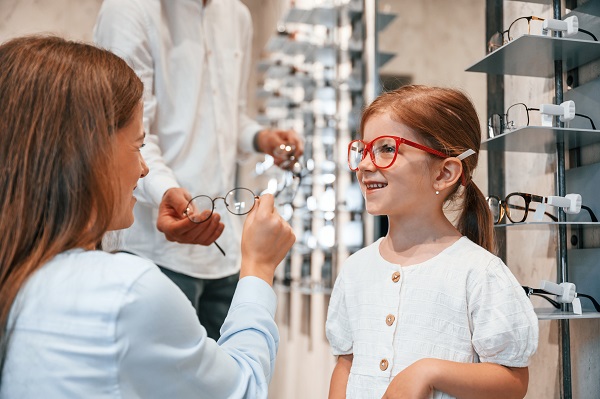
99, 266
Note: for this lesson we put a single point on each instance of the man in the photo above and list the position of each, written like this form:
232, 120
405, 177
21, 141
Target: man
194, 59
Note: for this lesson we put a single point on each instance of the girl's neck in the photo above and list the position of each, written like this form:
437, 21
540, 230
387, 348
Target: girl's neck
414, 240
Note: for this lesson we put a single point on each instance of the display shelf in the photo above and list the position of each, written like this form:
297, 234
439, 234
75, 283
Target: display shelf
555, 314
534, 56
540, 139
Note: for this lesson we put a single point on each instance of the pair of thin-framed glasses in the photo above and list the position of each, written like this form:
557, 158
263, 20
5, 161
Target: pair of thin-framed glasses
519, 27
517, 116
516, 207
544, 294
238, 201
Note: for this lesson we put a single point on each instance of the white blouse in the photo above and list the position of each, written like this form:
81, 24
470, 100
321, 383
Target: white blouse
463, 305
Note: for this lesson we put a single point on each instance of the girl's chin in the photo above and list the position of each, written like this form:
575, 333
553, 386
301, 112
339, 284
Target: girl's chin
374, 211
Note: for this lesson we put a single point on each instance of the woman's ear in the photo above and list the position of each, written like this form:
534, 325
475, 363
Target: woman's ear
449, 172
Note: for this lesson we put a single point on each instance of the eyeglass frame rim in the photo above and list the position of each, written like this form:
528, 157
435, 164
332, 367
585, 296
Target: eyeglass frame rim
224, 200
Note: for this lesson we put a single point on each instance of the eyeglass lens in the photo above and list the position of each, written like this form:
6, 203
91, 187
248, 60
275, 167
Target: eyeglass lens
517, 116
383, 150
514, 206
238, 201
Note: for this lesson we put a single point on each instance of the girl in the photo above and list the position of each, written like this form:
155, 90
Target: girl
426, 311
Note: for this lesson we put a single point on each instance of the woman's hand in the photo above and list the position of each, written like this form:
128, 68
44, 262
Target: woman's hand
266, 239
411, 383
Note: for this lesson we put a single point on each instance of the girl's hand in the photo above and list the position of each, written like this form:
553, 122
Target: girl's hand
411, 383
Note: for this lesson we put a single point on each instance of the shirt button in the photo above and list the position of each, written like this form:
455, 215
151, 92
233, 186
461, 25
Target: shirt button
389, 320
396, 277
383, 364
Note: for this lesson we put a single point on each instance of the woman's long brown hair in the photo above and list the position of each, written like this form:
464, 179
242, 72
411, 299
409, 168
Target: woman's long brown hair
447, 121
61, 103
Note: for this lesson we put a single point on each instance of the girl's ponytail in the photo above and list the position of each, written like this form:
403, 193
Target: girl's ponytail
475, 221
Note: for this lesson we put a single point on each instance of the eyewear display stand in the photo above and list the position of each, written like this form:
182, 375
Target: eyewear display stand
317, 73
548, 57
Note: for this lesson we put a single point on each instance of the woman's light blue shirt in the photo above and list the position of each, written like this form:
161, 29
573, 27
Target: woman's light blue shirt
90, 324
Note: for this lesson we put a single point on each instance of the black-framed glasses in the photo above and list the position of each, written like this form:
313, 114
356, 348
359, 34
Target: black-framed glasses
383, 151
516, 207
518, 27
543, 294
517, 116
238, 201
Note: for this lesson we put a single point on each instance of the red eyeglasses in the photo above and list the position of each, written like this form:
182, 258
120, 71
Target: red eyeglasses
383, 151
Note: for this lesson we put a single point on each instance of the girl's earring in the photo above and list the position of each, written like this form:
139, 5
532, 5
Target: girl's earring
437, 192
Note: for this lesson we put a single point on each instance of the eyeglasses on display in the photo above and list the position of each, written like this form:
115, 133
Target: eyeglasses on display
518, 27
383, 151
516, 207
238, 201
522, 26
517, 116
543, 294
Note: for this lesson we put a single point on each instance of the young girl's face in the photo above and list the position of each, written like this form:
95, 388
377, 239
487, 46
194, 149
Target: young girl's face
406, 187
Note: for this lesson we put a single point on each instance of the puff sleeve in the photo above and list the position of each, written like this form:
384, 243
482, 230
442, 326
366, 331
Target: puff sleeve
504, 325
337, 326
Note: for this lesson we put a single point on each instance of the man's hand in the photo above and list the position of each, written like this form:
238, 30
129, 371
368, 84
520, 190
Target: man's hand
270, 140
178, 228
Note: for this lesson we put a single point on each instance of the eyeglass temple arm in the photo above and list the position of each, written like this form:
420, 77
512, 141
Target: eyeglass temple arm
588, 118
587, 32
220, 249
541, 293
592, 215
591, 298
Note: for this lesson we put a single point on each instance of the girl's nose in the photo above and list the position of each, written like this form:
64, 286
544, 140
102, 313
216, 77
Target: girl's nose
366, 163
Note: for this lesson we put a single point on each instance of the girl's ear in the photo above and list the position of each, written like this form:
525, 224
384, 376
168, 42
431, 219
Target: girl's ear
449, 172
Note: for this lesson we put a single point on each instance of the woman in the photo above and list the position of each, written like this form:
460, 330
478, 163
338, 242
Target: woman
79, 322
